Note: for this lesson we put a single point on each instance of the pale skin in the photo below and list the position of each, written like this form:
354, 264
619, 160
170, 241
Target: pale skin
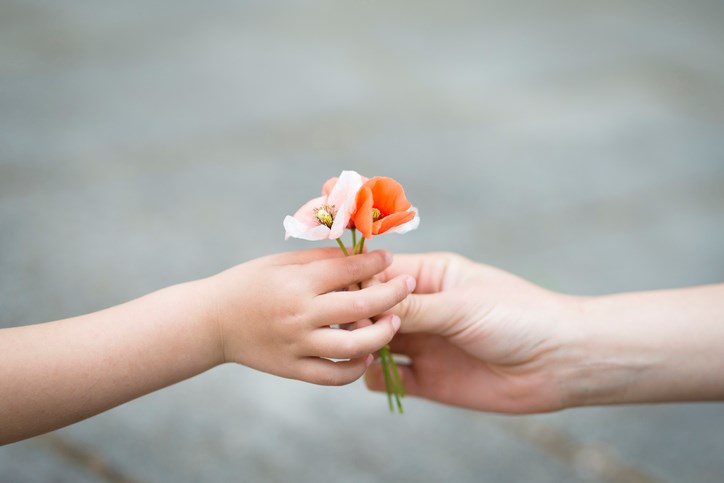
272, 314
480, 338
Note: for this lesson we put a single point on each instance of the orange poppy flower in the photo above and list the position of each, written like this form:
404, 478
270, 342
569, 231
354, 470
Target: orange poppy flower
381, 207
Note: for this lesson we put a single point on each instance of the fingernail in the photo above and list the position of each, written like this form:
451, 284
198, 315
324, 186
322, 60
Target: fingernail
411, 283
369, 359
395, 322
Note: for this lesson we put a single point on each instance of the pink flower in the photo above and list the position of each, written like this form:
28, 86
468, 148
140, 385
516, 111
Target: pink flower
326, 216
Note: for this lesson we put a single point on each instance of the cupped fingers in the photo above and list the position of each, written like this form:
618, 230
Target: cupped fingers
344, 307
330, 373
350, 344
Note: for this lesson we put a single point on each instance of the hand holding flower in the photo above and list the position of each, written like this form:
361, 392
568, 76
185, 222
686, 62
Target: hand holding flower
479, 337
374, 206
274, 313
482, 338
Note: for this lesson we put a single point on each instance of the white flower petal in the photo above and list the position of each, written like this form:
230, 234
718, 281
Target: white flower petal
296, 229
305, 214
343, 197
346, 189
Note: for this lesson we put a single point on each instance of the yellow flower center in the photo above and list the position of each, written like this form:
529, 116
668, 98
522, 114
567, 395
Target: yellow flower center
376, 214
325, 215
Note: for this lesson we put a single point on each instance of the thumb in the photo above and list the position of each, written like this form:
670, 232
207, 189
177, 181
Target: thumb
429, 313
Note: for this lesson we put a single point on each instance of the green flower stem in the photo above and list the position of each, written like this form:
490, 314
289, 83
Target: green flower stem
388, 379
359, 248
341, 245
399, 388
393, 383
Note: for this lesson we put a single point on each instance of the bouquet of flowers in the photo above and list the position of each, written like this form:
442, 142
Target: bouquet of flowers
372, 206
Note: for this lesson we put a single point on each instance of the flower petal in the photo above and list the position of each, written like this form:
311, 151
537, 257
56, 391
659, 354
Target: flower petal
393, 221
345, 189
389, 195
297, 229
305, 214
304, 225
329, 185
343, 198
331, 182
363, 215
409, 226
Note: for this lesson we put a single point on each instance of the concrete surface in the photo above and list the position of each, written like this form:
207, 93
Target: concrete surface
580, 145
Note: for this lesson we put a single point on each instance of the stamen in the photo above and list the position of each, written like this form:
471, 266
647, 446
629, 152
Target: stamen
376, 214
325, 215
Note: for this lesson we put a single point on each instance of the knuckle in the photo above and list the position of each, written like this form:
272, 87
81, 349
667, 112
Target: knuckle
361, 306
410, 308
380, 259
401, 290
295, 317
331, 379
347, 346
333, 376
354, 268
312, 375
328, 378
390, 332
444, 255
448, 258
342, 378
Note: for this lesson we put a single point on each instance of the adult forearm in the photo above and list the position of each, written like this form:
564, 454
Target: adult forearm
649, 347
60, 372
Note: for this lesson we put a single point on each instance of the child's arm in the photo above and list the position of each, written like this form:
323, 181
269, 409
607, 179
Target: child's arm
271, 314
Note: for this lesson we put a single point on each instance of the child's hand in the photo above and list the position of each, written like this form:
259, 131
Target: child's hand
274, 313
271, 314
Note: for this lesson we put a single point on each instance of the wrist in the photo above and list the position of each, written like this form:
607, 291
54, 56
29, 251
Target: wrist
200, 304
640, 348
610, 358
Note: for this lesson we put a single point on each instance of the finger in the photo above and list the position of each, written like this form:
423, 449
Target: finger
429, 269
307, 256
408, 345
375, 379
342, 307
329, 373
350, 344
357, 325
431, 313
371, 282
333, 274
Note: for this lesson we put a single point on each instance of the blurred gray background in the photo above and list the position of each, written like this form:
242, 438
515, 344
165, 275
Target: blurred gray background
578, 144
